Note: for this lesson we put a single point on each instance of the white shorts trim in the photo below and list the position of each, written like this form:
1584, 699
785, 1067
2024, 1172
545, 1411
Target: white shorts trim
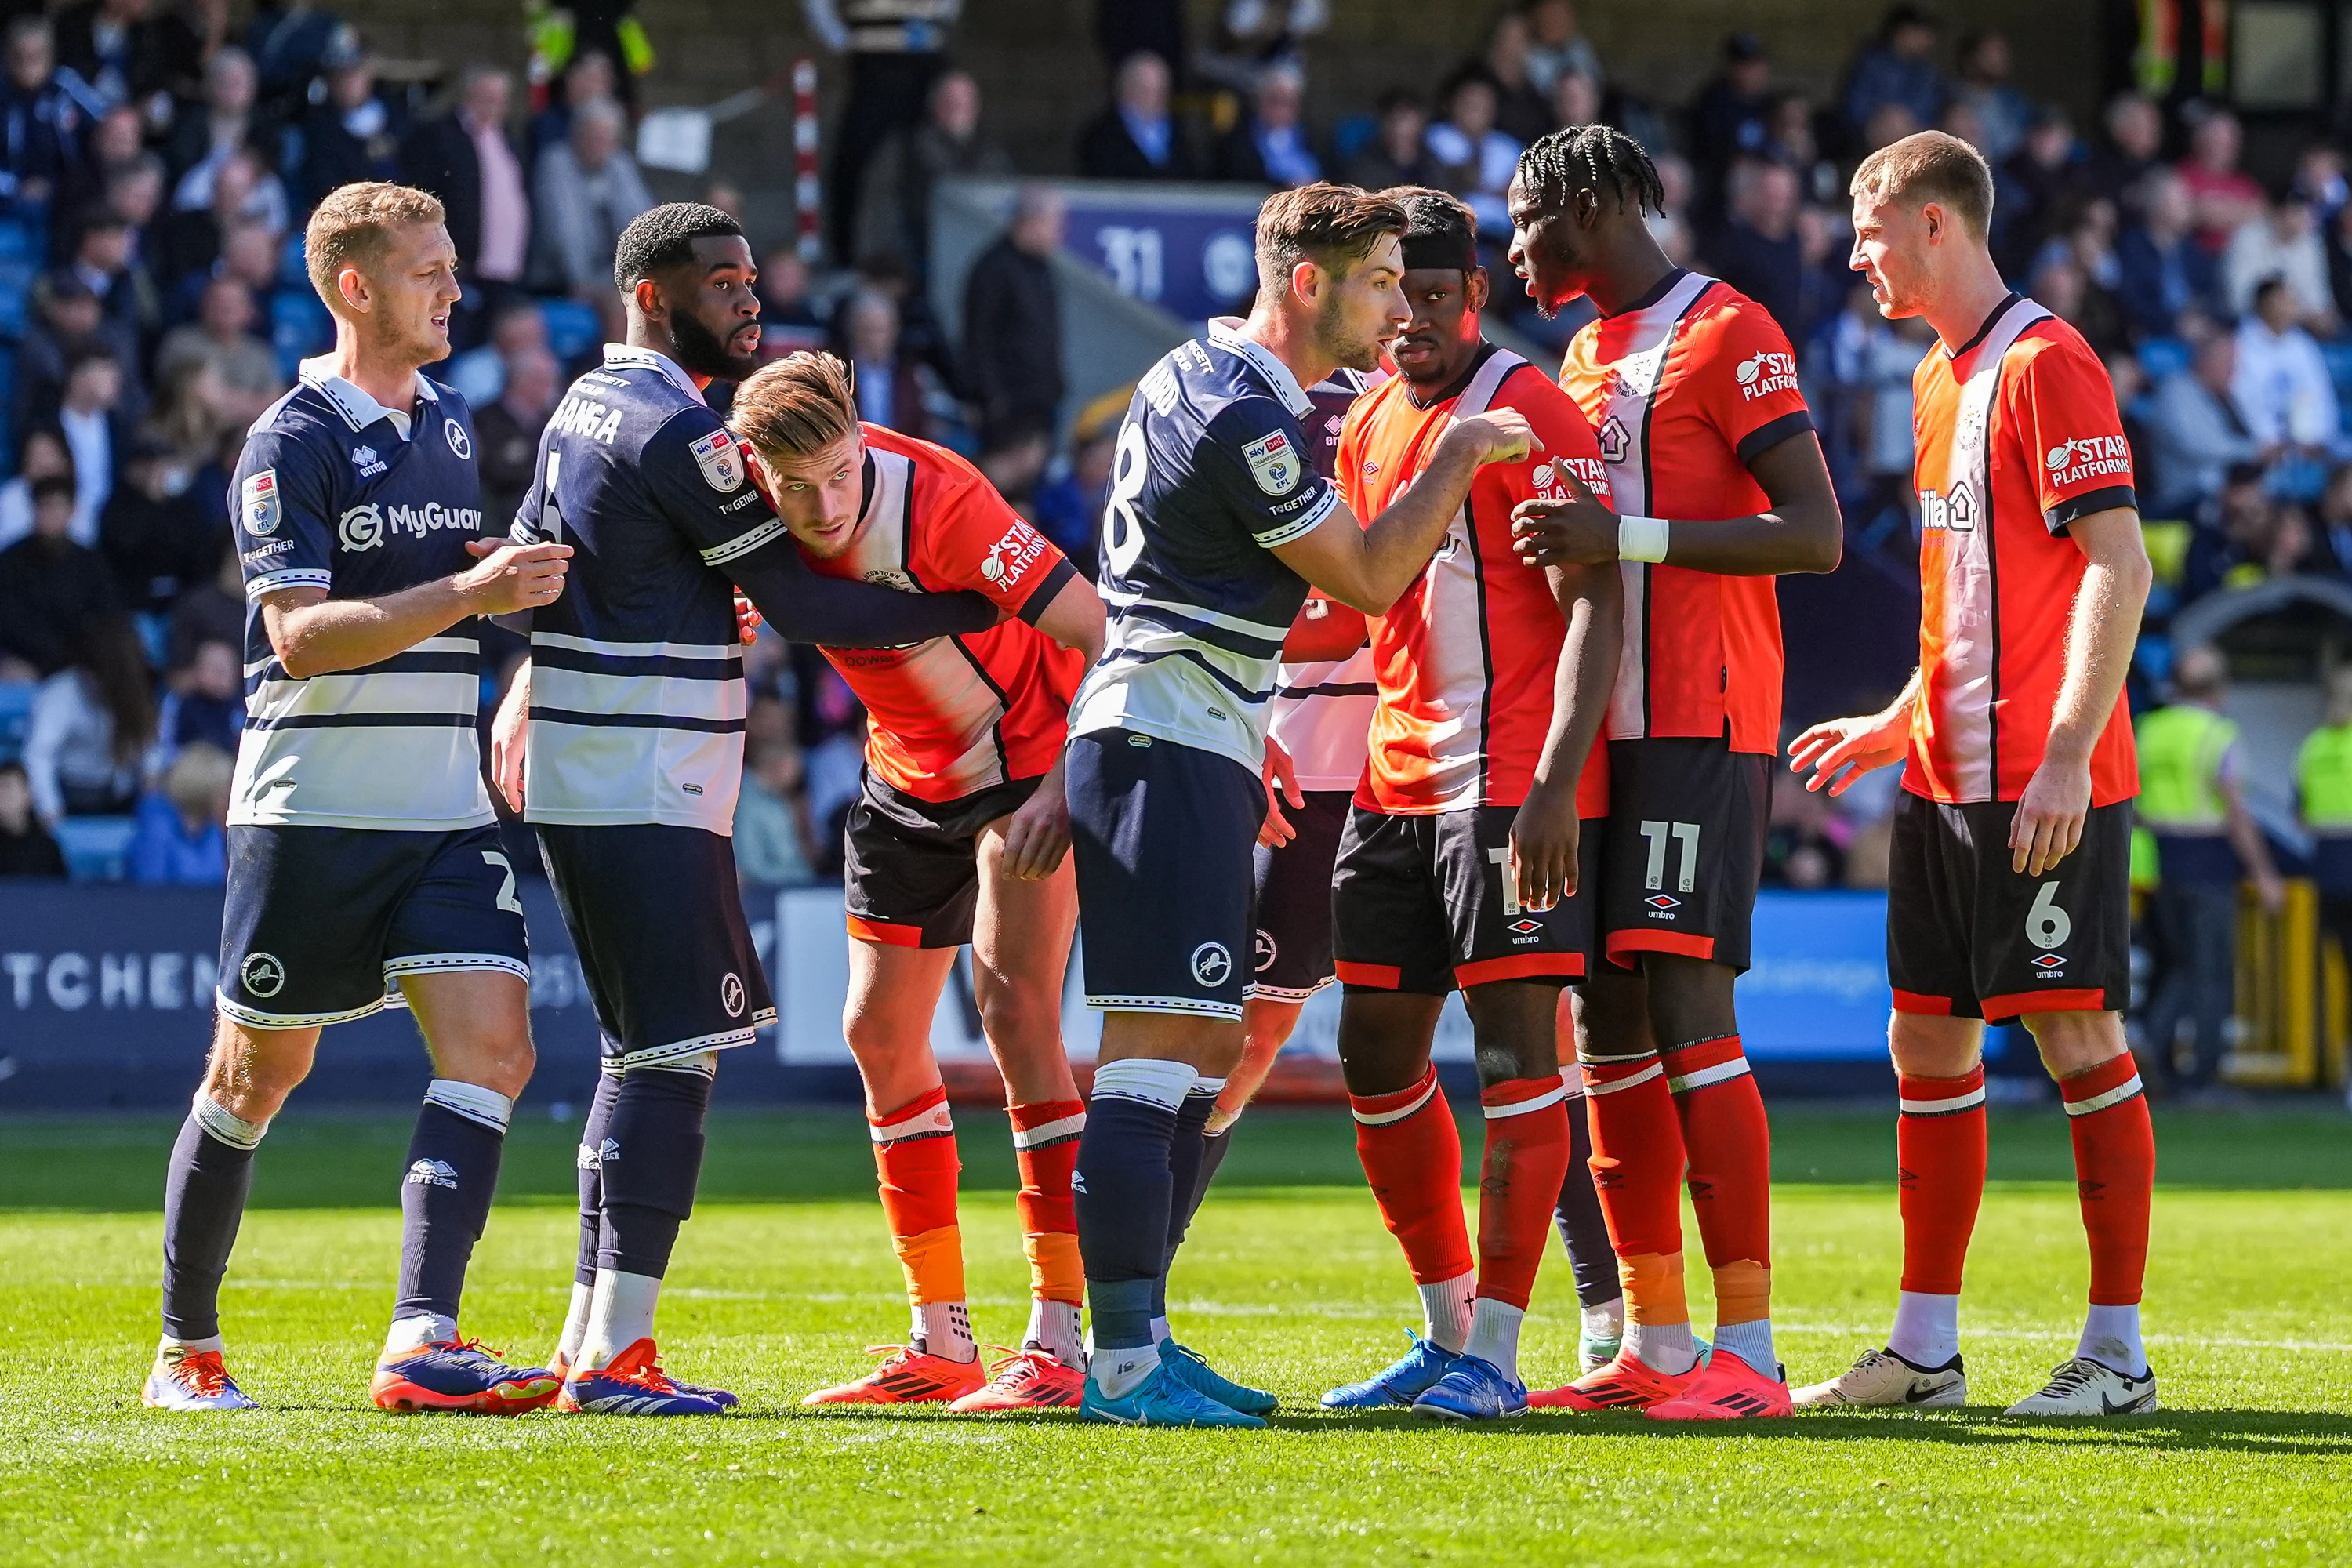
1286, 993
652, 1054
253, 1019
436, 963
1163, 1005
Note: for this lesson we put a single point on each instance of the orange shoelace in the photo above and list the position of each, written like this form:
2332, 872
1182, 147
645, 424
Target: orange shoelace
203, 1372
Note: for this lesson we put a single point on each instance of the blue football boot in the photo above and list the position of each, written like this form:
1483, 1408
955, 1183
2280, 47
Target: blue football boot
1405, 1380
1473, 1389
1161, 1399
1189, 1369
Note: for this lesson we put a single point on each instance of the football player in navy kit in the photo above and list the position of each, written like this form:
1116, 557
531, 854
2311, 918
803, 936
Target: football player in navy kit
362, 853
632, 709
1216, 527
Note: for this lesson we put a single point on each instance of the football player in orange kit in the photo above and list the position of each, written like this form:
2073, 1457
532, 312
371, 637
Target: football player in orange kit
959, 835
1718, 487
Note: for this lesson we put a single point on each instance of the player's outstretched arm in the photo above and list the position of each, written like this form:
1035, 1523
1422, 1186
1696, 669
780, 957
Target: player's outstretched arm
1544, 834
1842, 750
1802, 532
804, 607
1369, 567
2101, 632
313, 635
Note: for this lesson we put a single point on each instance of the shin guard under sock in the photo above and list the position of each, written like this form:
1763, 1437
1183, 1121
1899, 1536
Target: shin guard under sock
204, 1201
2115, 1172
1411, 1155
1187, 1152
649, 1161
1525, 1160
1939, 1156
1637, 1170
1122, 1190
445, 1193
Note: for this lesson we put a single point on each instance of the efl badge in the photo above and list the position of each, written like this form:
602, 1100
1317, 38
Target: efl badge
259, 505
720, 462
1274, 463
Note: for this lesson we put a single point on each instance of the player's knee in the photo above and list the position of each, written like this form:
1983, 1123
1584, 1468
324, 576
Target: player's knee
2073, 1042
251, 1071
497, 1061
1927, 1046
1689, 998
1017, 1016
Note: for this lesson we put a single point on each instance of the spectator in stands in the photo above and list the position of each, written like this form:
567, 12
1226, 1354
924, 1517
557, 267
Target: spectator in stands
480, 374
2042, 186
1474, 161
88, 415
2332, 524
585, 193
92, 724
1013, 338
1671, 228
2199, 431
155, 539
2134, 150
134, 190
206, 705
2163, 272
67, 321
1522, 110
1899, 67
116, 49
771, 827
1252, 37
506, 432
894, 215
2282, 243
788, 318
1136, 137
588, 78
896, 52
1758, 251
41, 122
355, 133
465, 158
205, 138
211, 611
1397, 154
246, 380
245, 195
248, 258
1268, 145
1575, 98
51, 587
2225, 196
2241, 537
114, 140
41, 454
1068, 509
889, 385
1789, 142
27, 847
1731, 118
2281, 385
1557, 47
287, 39
2003, 113
2059, 284
126, 294
182, 837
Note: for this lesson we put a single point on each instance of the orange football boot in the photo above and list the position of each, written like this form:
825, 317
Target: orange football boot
909, 1376
1025, 1380
1728, 1390
1625, 1383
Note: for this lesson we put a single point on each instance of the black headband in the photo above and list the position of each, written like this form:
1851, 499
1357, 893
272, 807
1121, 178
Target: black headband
1433, 252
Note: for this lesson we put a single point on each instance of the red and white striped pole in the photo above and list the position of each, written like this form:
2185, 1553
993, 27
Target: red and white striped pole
807, 188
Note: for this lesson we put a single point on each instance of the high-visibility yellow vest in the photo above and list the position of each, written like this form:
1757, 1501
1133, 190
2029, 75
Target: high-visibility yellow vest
2180, 752
2322, 775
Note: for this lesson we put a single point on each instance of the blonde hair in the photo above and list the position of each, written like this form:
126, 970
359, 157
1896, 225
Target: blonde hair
352, 226
1930, 166
797, 406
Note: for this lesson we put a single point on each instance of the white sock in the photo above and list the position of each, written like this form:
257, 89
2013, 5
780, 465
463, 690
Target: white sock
575, 1323
1446, 1311
191, 1347
2111, 1337
1926, 1329
416, 1333
1159, 1332
1120, 1371
944, 1330
1606, 1321
1669, 1348
1494, 1335
1751, 1342
621, 1315
1054, 1329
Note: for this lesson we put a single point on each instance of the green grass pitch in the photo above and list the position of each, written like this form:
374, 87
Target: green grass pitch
786, 1272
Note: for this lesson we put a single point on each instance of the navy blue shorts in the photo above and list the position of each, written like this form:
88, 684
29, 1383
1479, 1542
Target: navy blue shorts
1162, 835
321, 923
1293, 943
668, 959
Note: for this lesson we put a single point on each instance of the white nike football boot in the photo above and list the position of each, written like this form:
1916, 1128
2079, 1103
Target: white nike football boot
183, 1379
1882, 1378
2086, 1387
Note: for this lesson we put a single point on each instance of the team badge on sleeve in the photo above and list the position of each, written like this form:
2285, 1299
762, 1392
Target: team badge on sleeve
721, 464
1274, 463
259, 505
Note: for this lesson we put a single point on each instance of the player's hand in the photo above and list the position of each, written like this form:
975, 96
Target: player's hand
1038, 835
1575, 530
2048, 820
1281, 776
510, 577
1843, 749
748, 619
510, 738
1543, 847
1499, 435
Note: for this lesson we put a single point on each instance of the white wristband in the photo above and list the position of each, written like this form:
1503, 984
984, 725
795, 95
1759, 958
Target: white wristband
1642, 538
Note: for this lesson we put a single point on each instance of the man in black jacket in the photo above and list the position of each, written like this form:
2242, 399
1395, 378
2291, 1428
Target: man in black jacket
465, 158
1012, 329
1136, 137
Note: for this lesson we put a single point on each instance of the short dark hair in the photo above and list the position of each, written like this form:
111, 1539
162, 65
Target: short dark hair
1334, 226
50, 485
1597, 158
662, 237
1440, 229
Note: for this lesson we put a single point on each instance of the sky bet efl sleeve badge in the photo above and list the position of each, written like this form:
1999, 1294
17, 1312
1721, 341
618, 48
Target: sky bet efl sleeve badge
259, 505
1274, 463
721, 464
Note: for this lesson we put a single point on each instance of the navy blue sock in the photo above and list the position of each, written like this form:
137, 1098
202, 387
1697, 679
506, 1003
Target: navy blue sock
1583, 1229
1187, 1158
1122, 1190
651, 1160
204, 1200
445, 1201
591, 1183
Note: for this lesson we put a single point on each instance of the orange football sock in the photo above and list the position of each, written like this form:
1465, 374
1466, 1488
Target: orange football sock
1637, 1170
1939, 1155
1519, 1181
915, 1156
1412, 1153
2115, 1171
1045, 1146
1729, 1145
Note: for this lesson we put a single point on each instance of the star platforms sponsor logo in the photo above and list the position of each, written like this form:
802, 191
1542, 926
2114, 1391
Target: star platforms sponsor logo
1764, 373
2088, 458
1008, 559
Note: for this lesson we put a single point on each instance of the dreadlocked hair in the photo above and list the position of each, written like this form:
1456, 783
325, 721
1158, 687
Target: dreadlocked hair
1597, 158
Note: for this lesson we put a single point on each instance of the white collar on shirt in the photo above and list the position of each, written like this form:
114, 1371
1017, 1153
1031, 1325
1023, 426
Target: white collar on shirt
653, 359
358, 408
1277, 373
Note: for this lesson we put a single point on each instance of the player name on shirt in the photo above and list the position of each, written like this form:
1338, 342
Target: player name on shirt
336, 491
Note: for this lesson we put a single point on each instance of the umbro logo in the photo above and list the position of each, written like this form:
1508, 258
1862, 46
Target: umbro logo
1525, 927
432, 1173
1078, 1181
597, 1158
1662, 902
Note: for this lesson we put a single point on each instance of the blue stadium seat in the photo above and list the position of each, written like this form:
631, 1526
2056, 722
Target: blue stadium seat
1351, 136
2161, 357
292, 270
2337, 353
300, 327
572, 328
16, 717
18, 242
96, 848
